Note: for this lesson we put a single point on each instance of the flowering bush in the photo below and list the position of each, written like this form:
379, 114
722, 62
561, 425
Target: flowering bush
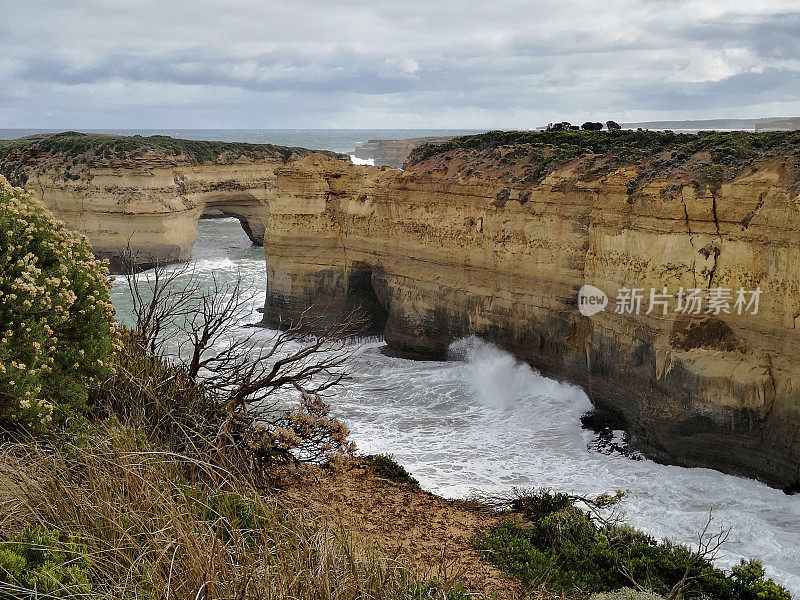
309, 432
57, 329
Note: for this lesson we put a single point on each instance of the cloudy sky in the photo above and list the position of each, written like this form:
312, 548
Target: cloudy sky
405, 63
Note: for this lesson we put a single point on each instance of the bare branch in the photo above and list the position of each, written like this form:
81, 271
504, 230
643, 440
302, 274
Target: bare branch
239, 369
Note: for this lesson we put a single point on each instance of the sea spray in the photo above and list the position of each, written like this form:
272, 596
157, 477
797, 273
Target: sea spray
499, 380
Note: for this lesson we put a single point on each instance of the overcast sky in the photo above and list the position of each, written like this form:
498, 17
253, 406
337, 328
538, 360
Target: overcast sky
431, 63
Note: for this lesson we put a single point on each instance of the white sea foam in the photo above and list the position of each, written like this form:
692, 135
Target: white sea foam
225, 265
362, 161
487, 422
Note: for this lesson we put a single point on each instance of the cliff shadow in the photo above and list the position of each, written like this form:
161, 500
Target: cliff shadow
361, 293
251, 213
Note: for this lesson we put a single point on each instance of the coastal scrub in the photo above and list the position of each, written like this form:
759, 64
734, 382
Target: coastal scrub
562, 548
57, 327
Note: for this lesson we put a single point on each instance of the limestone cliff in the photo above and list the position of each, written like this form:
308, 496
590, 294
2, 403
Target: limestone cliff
465, 242
494, 236
146, 193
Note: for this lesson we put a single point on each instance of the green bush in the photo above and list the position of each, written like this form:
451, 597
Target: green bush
566, 549
626, 594
57, 327
36, 563
385, 466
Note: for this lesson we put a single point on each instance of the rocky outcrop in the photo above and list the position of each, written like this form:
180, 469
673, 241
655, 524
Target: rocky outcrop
459, 245
393, 153
146, 194
155, 206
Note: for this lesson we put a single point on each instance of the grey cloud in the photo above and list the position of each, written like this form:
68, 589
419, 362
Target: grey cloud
775, 36
280, 71
321, 63
745, 89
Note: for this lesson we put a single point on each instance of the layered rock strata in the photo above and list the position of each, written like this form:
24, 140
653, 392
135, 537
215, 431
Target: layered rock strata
144, 196
444, 255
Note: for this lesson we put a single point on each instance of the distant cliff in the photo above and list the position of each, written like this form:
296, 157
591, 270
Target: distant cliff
146, 192
788, 124
393, 153
763, 124
495, 235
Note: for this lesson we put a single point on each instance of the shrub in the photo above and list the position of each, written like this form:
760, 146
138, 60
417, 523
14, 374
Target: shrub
626, 594
592, 126
153, 395
57, 326
36, 562
213, 399
563, 548
385, 466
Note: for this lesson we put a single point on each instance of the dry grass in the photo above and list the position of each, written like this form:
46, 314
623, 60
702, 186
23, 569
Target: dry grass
150, 533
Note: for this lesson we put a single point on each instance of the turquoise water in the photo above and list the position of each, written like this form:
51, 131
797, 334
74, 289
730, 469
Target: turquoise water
487, 422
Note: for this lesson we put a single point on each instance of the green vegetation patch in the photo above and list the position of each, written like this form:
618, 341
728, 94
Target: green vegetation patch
386, 467
566, 550
87, 147
38, 562
545, 151
623, 142
57, 328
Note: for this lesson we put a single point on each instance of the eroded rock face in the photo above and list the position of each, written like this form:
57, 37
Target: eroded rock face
450, 254
146, 193
154, 205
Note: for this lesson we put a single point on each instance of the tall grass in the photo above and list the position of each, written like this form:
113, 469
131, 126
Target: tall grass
148, 532
148, 502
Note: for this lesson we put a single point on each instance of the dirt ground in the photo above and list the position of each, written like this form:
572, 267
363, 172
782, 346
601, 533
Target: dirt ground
422, 529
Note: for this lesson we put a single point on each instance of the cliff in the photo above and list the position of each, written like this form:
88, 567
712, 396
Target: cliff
146, 193
495, 235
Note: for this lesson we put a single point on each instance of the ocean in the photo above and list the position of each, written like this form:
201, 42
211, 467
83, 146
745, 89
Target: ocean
484, 422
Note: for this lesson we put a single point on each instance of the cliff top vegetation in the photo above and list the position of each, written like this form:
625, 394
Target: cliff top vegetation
527, 157
88, 146
630, 143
